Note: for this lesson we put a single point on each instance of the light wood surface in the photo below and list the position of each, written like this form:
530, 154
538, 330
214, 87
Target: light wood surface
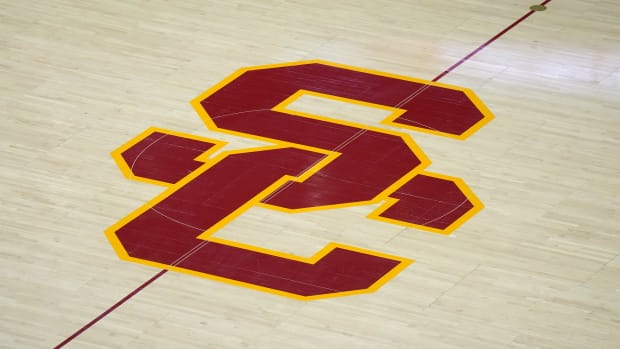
539, 267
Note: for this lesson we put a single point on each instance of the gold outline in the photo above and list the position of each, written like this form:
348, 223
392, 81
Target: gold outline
117, 154
330, 156
206, 235
467, 192
487, 116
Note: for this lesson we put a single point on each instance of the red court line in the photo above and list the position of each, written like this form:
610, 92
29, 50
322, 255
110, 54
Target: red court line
490, 41
111, 309
162, 272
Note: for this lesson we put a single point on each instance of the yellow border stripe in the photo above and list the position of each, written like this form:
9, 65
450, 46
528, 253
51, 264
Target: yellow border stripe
330, 156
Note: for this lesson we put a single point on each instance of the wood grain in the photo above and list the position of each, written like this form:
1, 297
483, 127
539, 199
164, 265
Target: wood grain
539, 267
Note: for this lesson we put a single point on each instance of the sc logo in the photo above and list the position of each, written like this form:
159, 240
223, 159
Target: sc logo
315, 163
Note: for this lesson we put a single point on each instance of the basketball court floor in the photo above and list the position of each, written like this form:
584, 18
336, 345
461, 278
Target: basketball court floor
310, 174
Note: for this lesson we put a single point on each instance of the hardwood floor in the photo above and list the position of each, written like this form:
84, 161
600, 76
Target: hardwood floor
538, 267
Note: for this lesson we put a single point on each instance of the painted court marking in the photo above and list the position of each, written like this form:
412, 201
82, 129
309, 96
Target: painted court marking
407, 99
